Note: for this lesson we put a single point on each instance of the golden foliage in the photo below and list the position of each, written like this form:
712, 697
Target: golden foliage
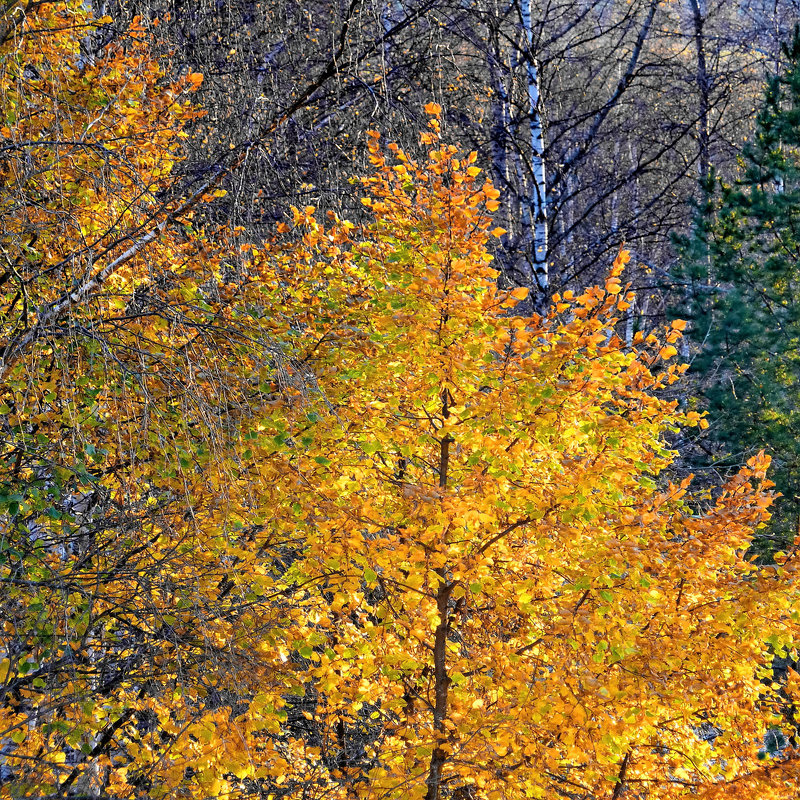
324, 514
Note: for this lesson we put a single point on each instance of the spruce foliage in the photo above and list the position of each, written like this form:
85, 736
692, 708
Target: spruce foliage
741, 270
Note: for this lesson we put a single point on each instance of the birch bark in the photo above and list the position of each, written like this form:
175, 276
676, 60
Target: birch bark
537, 197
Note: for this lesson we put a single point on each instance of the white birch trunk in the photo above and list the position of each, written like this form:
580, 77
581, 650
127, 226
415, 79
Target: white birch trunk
537, 199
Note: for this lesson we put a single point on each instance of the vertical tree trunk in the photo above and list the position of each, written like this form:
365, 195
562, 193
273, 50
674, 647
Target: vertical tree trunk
634, 214
501, 116
697, 8
537, 197
499, 128
615, 197
390, 15
698, 11
441, 681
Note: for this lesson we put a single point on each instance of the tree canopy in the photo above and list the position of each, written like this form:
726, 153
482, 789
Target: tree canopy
328, 516
746, 319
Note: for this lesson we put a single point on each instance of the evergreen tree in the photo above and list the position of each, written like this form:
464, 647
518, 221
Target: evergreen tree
742, 272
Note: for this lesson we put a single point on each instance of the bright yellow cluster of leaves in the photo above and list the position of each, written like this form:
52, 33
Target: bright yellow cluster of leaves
495, 478
126, 626
362, 531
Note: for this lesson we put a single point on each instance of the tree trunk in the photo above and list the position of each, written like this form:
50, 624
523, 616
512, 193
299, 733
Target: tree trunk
441, 681
697, 8
537, 196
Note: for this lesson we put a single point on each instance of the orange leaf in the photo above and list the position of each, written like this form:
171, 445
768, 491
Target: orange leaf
667, 352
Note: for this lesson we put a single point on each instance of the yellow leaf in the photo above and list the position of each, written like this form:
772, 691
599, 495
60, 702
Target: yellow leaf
667, 352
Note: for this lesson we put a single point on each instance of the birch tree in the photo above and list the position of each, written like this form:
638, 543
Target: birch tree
328, 515
535, 206
579, 106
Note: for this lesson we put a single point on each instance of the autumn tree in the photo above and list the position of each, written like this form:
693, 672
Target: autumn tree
321, 516
127, 369
591, 117
509, 593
